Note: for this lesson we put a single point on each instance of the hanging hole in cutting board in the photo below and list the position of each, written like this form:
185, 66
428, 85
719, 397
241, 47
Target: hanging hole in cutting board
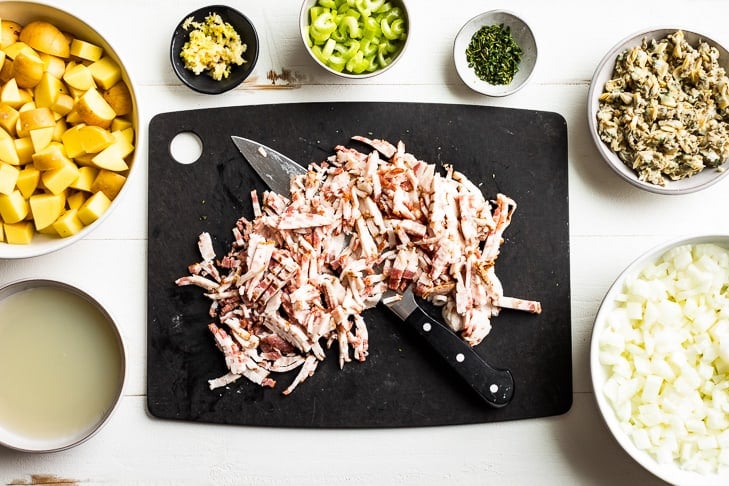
186, 148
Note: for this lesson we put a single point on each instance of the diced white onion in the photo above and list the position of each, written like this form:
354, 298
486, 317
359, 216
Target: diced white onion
666, 350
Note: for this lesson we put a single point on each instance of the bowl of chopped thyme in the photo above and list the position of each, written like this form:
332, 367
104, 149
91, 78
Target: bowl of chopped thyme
495, 53
214, 49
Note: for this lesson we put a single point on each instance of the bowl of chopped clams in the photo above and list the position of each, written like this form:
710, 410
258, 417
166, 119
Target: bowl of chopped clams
68, 129
658, 110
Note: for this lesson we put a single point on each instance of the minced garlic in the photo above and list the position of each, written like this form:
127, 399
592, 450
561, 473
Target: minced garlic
213, 46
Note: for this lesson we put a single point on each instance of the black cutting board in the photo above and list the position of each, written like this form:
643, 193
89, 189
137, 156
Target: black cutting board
521, 153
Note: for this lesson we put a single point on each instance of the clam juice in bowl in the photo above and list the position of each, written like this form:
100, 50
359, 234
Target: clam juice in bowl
61, 366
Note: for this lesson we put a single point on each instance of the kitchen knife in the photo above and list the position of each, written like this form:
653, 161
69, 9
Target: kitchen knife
275, 169
494, 386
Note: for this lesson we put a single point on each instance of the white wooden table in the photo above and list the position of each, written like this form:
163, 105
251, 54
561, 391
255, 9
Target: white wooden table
611, 223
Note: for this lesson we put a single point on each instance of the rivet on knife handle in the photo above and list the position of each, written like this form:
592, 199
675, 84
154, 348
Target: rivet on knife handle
495, 386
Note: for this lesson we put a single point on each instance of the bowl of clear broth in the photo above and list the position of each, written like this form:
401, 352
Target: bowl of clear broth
62, 366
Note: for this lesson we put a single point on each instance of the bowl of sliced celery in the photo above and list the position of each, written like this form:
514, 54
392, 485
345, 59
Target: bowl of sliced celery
354, 39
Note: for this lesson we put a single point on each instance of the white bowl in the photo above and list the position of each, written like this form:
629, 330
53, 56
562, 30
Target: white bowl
521, 33
670, 472
604, 72
304, 31
23, 12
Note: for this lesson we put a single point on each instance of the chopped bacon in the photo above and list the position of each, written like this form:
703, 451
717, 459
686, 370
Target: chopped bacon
298, 277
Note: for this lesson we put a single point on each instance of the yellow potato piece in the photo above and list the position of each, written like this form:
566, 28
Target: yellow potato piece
78, 76
41, 137
46, 208
120, 124
15, 49
93, 109
119, 98
25, 150
8, 118
57, 180
45, 37
9, 33
63, 105
28, 70
10, 94
68, 223
109, 182
31, 119
51, 157
48, 90
20, 233
53, 65
8, 178
106, 72
75, 200
93, 208
13, 207
8, 152
2, 232
85, 50
95, 139
87, 175
112, 157
28, 180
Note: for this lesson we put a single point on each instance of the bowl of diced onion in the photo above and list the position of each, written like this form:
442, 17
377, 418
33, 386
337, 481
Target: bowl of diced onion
356, 39
659, 359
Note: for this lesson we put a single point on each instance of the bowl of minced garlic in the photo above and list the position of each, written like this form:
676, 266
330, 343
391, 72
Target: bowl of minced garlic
214, 49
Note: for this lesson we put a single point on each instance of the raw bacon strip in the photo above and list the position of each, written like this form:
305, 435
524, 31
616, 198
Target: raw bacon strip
298, 277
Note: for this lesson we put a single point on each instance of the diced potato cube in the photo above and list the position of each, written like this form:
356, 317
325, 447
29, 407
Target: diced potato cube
93, 109
95, 139
109, 182
27, 69
8, 178
41, 137
85, 50
112, 157
57, 180
120, 124
59, 129
75, 200
8, 118
33, 119
93, 208
78, 76
72, 141
53, 65
68, 223
20, 233
87, 175
25, 150
51, 157
64, 105
13, 50
10, 94
48, 90
106, 72
28, 180
119, 98
8, 152
13, 207
46, 208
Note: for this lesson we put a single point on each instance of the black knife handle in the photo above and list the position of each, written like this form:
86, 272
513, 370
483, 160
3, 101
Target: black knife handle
496, 387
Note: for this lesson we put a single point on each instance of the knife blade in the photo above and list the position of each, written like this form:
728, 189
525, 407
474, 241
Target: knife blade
494, 386
274, 168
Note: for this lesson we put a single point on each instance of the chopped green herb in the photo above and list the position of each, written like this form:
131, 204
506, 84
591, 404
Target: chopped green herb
494, 54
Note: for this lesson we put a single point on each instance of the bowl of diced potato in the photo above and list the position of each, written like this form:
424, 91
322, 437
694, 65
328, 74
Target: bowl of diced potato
68, 129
